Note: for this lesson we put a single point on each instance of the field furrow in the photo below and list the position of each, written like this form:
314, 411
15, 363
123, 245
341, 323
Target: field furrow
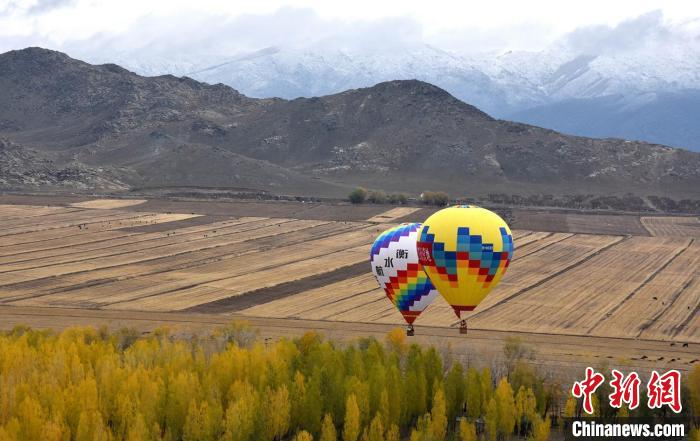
663, 297
204, 292
300, 261
26, 212
578, 300
223, 250
124, 245
85, 229
675, 226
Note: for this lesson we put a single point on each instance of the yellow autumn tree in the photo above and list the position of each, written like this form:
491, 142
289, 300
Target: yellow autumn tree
486, 388
376, 429
303, 436
277, 412
240, 420
351, 428
525, 407
570, 407
438, 417
454, 391
396, 340
473, 394
595, 402
491, 419
505, 404
393, 433
467, 430
694, 435
540, 429
31, 419
423, 430
138, 431
692, 382
328, 432
298, 392
98, 385
203, 422
91, 427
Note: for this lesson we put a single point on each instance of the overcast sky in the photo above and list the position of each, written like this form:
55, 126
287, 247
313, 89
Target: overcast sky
100, 28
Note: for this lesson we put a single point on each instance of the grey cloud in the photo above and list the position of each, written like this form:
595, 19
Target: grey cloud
204, 34
40, 7
47, 5
200, 35
646, 29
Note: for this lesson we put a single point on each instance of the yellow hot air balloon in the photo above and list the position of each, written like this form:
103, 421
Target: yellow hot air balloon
465, 251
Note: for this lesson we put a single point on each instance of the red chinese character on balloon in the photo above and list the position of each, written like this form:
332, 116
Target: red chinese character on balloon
665, 390
587, 388
625, 390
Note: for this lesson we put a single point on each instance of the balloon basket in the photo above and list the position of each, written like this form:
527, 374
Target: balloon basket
463, 327
410, 331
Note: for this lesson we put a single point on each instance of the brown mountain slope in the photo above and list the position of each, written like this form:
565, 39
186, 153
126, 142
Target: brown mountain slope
399, 135
22, 168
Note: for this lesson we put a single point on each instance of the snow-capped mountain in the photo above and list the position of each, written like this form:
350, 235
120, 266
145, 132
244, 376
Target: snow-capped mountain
277, 72
64, 120
527, 86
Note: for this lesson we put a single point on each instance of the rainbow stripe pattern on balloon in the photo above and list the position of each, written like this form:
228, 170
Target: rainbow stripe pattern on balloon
392, 235
395, 265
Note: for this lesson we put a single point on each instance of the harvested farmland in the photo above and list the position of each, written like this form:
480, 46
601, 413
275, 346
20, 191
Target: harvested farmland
119, 257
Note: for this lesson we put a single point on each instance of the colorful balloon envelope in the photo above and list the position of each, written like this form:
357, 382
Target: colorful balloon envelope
465, 251
395, 265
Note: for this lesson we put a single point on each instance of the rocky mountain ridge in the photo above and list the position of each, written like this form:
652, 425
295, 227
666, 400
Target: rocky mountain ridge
398, 136
524, 86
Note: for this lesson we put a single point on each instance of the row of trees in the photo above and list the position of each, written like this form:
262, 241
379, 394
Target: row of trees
437, 198
86, 384
361, 195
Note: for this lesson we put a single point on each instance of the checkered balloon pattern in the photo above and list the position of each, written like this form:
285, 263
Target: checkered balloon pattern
395, 265
465, 250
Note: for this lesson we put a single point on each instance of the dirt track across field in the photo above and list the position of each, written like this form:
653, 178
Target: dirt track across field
479, 346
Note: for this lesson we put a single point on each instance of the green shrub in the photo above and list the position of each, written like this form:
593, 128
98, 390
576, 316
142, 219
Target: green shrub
358, 195
377, 197
438, 198
399, 199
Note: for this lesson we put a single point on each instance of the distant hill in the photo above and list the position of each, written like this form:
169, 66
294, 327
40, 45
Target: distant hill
643, 92
670, 118
398, 135
22, 168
